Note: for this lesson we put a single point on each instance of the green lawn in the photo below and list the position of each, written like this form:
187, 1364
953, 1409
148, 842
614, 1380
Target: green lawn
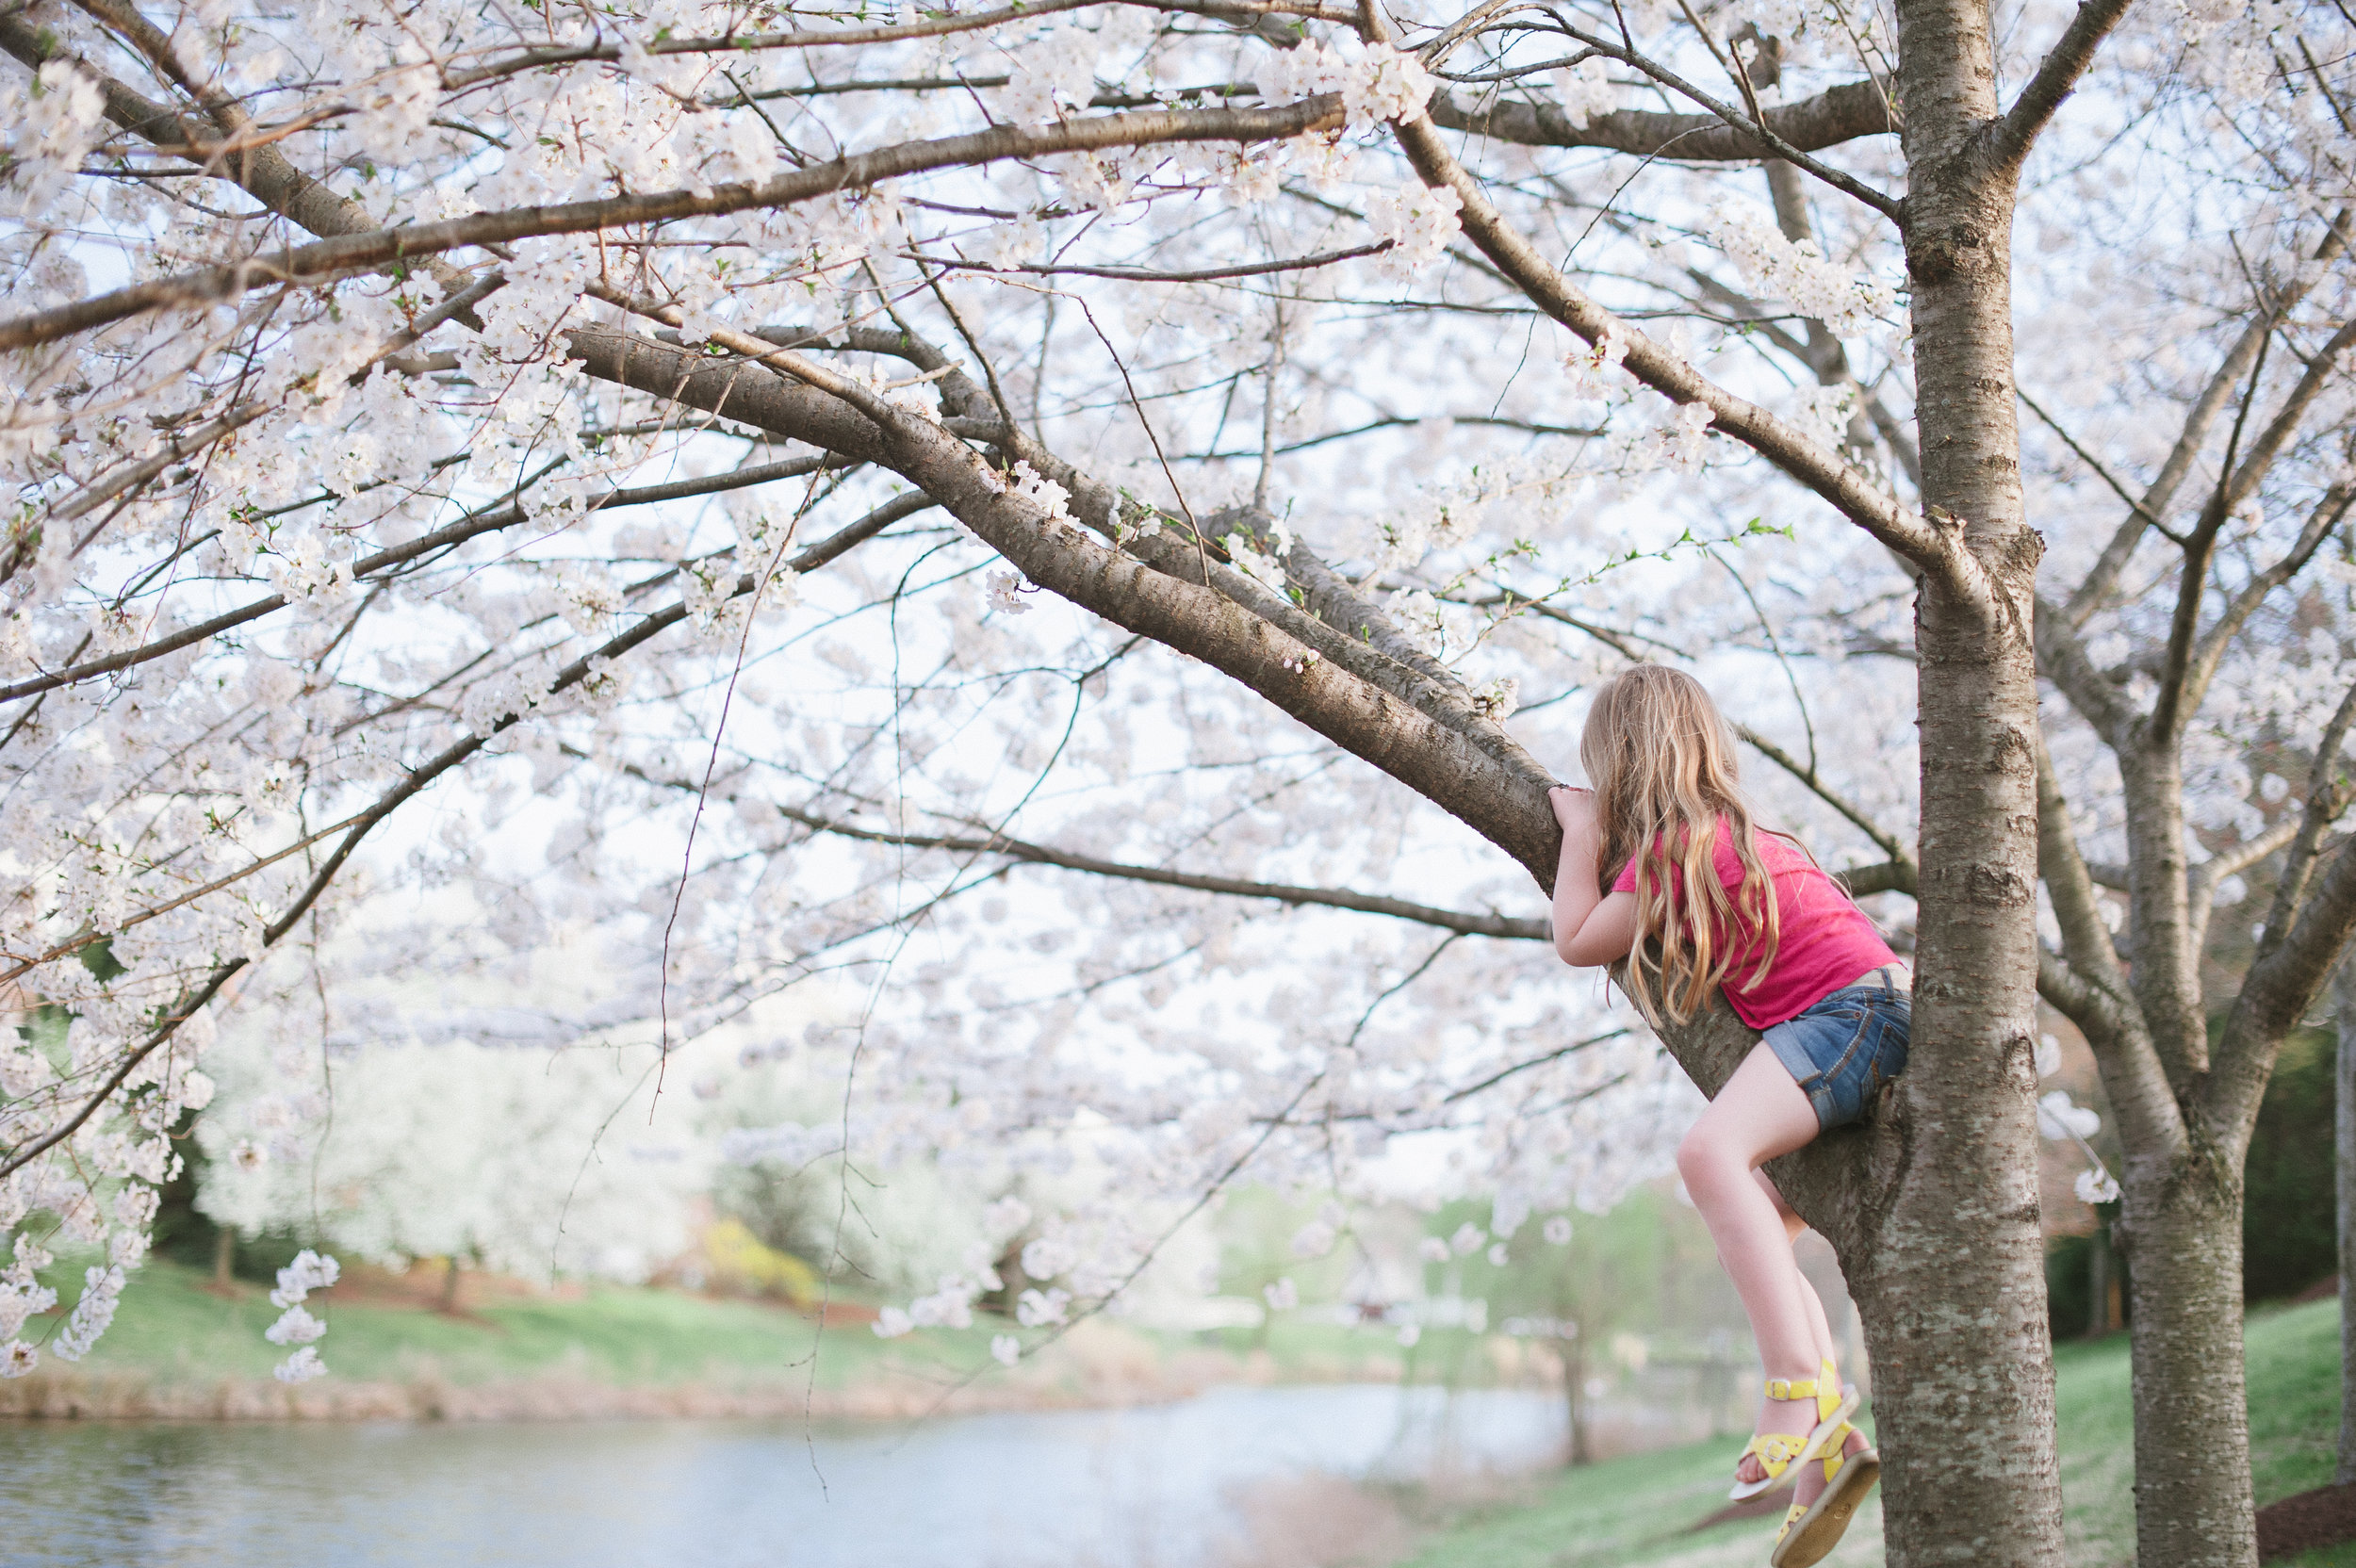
1635, 1510
171, 1327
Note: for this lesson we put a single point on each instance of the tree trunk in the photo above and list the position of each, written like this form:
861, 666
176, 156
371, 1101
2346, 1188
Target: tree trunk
1574, 1396
2099, 1281
1950, 1276
224, 1257
1949, 1270
2343, 1130
449, 1283
2183, 1242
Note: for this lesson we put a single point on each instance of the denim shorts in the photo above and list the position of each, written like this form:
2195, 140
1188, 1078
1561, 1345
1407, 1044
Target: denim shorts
1841, 1051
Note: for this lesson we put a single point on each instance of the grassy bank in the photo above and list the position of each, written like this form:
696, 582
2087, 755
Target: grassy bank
1640, 1511
176, 1324
182, 1347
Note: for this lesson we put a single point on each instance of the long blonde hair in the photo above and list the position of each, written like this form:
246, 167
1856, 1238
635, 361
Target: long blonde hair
1661, 759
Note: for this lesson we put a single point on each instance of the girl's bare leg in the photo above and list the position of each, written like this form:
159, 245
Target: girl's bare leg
1820, 1325
1761, 1114
1811, 1482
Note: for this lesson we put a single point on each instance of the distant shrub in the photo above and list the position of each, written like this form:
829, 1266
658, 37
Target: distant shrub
738, 1263
2287, 1205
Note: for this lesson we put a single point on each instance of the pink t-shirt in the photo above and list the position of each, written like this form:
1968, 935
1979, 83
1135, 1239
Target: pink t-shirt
1825, 941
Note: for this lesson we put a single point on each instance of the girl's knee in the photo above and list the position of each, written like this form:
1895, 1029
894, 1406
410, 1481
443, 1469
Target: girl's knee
1704, 1162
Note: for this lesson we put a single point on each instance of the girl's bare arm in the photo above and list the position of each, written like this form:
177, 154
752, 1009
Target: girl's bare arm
1591, 928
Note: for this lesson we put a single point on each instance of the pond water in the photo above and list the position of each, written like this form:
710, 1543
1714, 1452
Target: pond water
1152, 1487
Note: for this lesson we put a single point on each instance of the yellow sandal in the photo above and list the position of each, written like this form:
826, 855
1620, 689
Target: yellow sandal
1810, 1531
1779, 1452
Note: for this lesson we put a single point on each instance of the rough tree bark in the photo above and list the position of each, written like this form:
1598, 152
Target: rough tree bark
2192, 1413
1962, 1361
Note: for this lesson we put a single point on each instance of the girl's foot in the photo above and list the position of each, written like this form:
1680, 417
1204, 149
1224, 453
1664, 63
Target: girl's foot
1798, 1414
1791, 1419
1813, 1481
1827, 1496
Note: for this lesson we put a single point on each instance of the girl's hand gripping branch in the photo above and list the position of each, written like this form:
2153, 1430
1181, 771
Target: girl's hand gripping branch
1590, 927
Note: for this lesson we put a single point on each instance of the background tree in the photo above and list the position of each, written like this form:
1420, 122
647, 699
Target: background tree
475, 1156
1575, 1285
2140, 670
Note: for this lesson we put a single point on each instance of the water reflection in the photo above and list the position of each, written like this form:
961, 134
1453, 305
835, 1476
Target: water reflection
1149, 1488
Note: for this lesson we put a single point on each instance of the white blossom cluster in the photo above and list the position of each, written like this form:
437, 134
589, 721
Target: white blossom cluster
1797, 271
1376, 82
1584, 90
296, 1328
2059, 1118
51, 122
1417, 221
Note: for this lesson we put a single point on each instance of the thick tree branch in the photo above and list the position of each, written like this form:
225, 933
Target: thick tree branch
349, 253
2069, 993
2090, 987
1365, 626
1882, 877
2007, 141
1330, 617
1463, 922
1845, 113
1849, 490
